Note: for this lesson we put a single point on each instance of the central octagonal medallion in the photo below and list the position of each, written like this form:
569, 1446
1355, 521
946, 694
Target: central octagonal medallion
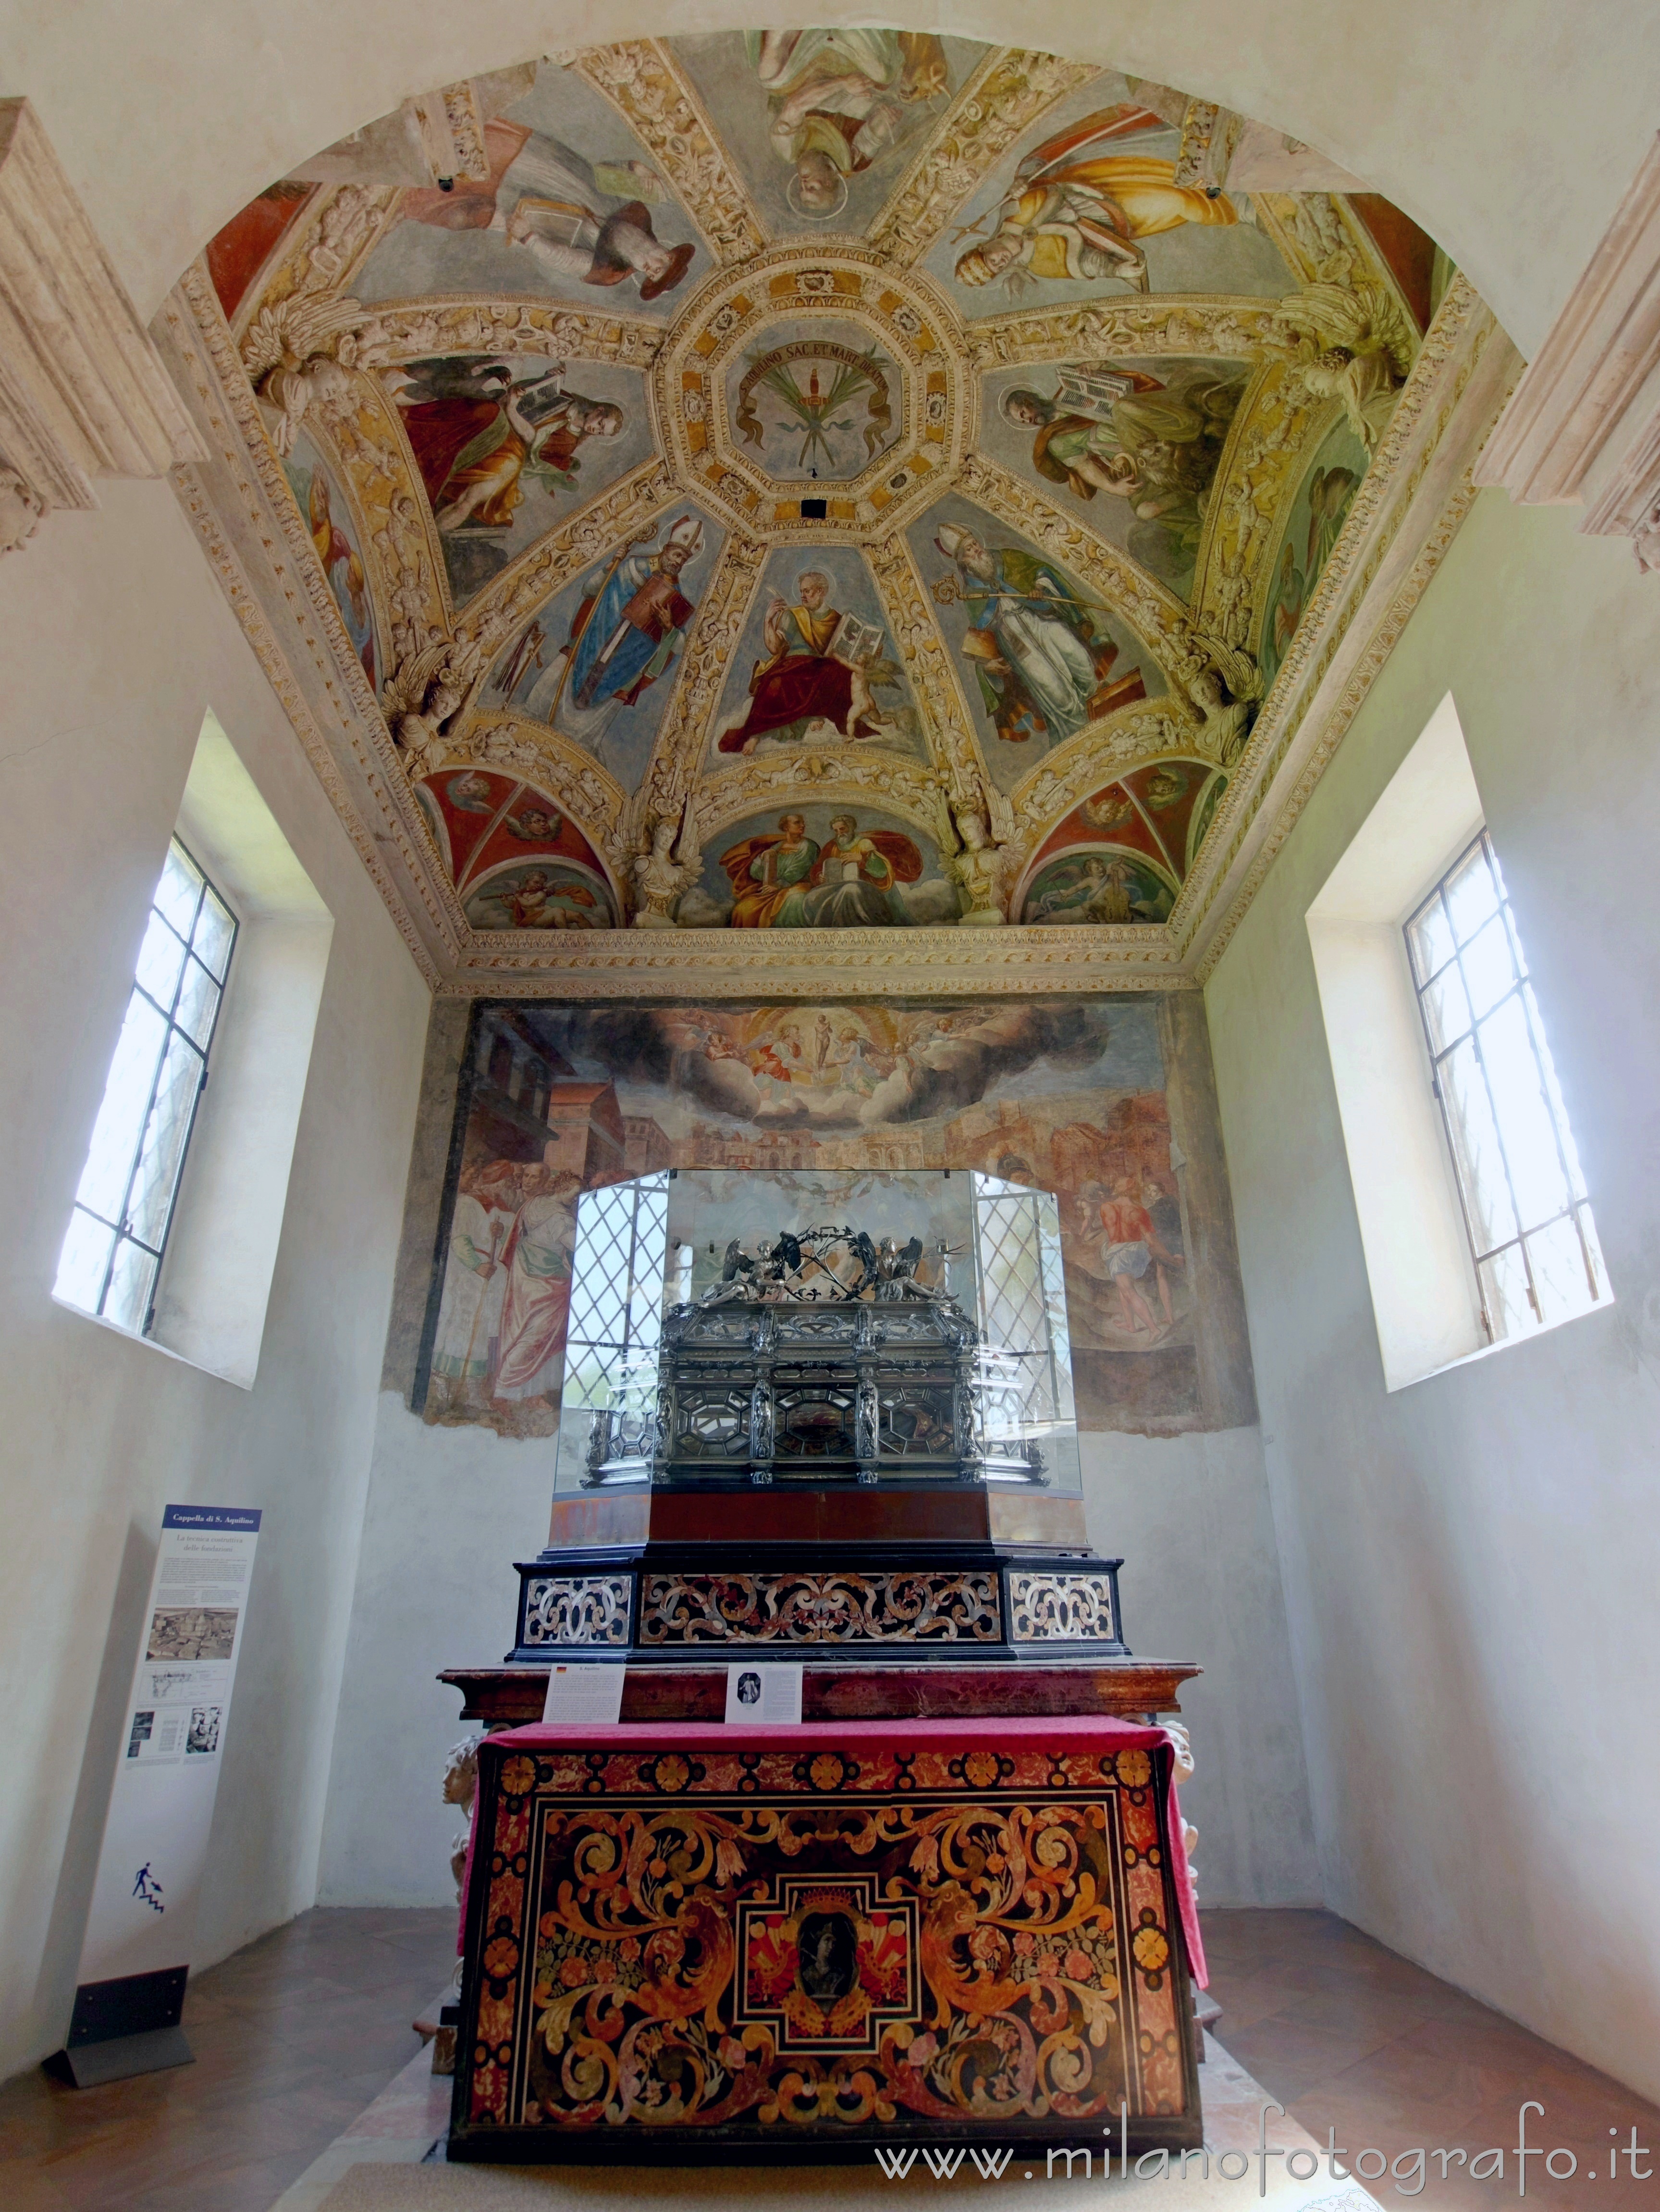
814, 392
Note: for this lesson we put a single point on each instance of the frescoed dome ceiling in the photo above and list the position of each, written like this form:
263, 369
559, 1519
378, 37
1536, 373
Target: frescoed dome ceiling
825, 480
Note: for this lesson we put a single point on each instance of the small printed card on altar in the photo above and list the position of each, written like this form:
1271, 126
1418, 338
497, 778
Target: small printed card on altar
764, 1695
585, 1694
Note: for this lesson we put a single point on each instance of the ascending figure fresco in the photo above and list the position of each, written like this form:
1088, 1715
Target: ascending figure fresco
815, 671
628, 626
837, 100
789, 881
1042, 663
476, 434
1074, 212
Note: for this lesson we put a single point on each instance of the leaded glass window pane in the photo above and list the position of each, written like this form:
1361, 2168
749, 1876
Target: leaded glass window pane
1532, 1235
124, 1201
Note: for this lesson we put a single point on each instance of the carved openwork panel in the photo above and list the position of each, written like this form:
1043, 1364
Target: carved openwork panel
591, 1609
685, 1609
1049, 1608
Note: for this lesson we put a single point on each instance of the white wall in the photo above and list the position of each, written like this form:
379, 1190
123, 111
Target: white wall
1507, 128
115, 639
1471, 1562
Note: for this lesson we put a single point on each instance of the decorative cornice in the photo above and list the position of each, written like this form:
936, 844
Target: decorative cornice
814, 964
82, 391
1216, 325
1585, 417
1009, 90
1403, 517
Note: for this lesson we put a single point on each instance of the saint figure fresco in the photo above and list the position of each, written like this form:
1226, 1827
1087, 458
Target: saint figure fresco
838, 100
1152, 443
578, 220
475, 435
630, 624
819, 668
789, 881
1075, 212
1042, 661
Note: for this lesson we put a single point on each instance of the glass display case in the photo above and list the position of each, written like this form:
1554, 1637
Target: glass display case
871, 1327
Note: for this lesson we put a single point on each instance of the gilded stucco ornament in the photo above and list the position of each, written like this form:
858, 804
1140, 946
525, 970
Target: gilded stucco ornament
811, 408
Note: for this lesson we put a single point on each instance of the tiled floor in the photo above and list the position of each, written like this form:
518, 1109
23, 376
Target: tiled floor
294, 2036
1349, 2036
298, 2033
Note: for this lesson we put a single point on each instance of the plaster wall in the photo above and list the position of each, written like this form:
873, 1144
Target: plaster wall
115, 639
1469, 1561
1508, 129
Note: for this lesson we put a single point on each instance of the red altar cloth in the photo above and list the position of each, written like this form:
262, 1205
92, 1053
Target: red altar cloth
1092, 1733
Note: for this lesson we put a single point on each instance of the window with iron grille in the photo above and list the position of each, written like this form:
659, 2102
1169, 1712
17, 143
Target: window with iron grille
1025, 1361
124, 1206
1532, 1239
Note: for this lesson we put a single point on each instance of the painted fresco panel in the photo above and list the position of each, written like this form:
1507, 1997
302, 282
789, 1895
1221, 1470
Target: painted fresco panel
821, 123
1138, 442
1323, 499
1092, 1100
505, 449
339, 547
573, 208
598, 661
821, 867
1086, 207
1040, 657
776, 698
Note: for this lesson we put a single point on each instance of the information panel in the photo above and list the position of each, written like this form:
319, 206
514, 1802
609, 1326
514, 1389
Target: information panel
135, 1955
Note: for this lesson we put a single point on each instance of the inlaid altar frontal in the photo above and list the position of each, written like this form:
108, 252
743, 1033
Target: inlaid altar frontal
697, 1942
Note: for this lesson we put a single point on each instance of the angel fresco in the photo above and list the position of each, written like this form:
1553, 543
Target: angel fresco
1076, 213
476, 434
1152, 443
820, 666
1043, 661
789, 881
1353, 345
1097, 887
838, 100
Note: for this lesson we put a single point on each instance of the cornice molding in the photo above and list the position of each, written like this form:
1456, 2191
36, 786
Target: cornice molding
83, 391
1584, 422
1404, 517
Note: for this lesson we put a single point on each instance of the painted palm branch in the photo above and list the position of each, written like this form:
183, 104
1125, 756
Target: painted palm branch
813, 410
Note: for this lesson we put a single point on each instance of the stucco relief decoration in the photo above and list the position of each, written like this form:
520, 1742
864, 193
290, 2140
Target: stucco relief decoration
827, 479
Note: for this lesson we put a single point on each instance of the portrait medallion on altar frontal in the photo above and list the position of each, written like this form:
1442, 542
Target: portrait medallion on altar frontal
795, 1943
1106, 1103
